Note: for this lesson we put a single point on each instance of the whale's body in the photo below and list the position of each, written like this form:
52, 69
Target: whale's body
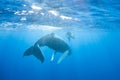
51, 41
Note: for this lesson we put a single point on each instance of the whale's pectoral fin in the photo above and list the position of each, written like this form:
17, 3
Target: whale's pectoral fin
63, 56
53, 54
35, 50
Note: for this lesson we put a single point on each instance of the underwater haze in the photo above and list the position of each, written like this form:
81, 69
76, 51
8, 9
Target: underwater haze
94, 24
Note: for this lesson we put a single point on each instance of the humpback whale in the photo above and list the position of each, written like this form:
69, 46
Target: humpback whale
51, 41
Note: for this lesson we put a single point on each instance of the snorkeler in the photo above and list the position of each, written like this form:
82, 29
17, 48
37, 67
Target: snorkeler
69, 36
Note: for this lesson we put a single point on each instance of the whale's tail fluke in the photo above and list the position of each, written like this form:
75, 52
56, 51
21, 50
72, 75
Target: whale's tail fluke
35, 50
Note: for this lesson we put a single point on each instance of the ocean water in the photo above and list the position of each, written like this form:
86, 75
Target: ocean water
95, 25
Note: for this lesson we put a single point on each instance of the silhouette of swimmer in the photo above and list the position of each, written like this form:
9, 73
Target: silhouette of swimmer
69, 36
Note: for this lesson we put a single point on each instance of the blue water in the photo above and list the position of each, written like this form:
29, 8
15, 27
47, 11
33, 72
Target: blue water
95, 49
